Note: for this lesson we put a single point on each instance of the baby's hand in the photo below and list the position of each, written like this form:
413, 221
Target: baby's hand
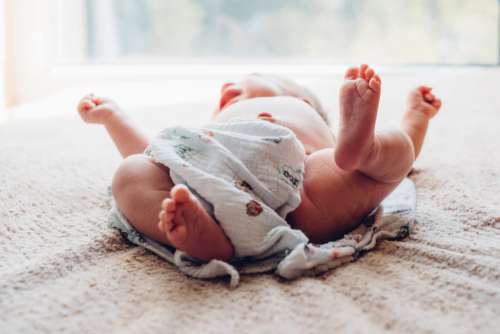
93, 109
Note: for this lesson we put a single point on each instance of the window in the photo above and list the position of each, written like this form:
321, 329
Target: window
293, 31
47, 41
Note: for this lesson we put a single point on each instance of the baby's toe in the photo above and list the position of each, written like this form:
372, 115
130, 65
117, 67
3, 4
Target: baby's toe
162, 225
180, 193
375, 83
168, 205
362, 71
369, 73
166, 222
352, 73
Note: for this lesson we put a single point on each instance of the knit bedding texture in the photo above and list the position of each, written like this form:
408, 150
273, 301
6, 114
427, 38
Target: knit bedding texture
62, 269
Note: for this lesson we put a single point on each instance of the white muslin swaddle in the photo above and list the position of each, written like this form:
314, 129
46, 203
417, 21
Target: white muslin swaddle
248, 172
248, 176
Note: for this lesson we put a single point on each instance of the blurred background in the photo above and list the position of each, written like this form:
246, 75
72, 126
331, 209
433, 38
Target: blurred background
291, 31
74, 46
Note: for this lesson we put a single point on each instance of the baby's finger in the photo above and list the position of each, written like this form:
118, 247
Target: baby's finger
87, 105
99, 111
429, 97
86, 97
98, 100
84, 105
436, 103
425, 89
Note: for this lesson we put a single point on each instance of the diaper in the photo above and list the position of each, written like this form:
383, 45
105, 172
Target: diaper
248, 176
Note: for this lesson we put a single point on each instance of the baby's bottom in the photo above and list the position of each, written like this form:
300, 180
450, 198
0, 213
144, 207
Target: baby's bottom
139, 187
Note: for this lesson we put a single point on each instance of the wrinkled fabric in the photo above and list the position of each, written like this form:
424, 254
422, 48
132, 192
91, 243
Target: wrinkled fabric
248, 176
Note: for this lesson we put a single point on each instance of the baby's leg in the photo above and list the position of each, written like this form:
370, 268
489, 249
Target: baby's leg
422, 106
386, 156
393, 152
140, 186
368, 166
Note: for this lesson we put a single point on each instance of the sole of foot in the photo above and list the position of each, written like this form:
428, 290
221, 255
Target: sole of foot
190, 228
359, 100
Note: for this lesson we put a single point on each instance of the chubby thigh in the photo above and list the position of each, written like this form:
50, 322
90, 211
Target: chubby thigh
139, 187
334, 201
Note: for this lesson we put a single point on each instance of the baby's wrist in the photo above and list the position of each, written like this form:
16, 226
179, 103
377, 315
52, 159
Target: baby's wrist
113, 117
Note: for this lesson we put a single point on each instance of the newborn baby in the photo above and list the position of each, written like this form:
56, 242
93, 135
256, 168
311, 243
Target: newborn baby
344, 179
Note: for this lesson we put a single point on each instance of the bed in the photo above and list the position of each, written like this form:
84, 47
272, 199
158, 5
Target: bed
62, 269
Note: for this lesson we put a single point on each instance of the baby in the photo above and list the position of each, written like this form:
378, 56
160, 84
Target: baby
345, 178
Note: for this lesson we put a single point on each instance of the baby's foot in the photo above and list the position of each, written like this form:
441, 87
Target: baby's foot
191, 229
359, 98
422, 101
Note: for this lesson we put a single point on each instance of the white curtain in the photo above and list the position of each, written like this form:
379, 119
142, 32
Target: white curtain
2, 57
28, 51
40, 35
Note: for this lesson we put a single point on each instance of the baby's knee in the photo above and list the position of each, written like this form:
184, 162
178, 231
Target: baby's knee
397, 155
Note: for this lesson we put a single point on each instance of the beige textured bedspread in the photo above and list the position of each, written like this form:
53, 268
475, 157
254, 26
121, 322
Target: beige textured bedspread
62, 269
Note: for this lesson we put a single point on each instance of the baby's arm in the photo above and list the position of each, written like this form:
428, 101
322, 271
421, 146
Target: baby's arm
127, 138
